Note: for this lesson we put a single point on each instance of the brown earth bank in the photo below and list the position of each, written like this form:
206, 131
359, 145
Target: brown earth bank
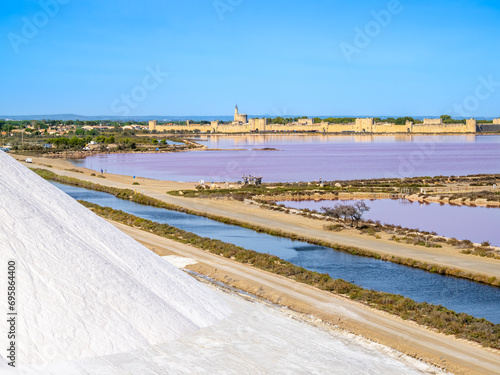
447, 256
386, 231
455, 355
457, 202
81, 154
323, 196
367, 195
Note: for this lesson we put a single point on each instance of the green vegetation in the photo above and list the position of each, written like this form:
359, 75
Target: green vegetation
335, 120
482, 251
396, 121
416, 240
438, 317
447, 119
316, 120
383, 185
144, 199
490, 196
39, 137
409, 236
283, 120
74, 142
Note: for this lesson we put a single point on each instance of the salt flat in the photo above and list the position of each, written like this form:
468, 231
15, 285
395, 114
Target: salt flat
84, 288
256, 339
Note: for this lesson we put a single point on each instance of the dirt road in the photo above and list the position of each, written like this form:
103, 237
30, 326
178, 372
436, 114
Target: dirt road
457, 356
446, 256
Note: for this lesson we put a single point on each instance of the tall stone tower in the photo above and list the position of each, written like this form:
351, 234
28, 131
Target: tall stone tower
152, 125
471, 125
239, 117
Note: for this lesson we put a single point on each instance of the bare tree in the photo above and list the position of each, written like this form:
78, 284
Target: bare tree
354, 212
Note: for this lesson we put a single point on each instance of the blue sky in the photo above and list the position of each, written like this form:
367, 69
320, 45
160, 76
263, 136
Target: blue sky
278, 57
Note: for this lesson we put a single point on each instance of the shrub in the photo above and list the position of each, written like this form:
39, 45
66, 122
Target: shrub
334, 227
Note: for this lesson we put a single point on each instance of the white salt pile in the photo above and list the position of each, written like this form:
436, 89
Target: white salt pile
179, 262
84, 288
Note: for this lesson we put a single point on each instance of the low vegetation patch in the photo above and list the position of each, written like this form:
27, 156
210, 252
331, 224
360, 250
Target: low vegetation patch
382, 185
129, 194
482, 251
341, 214
74, 170
489, 196
438, 317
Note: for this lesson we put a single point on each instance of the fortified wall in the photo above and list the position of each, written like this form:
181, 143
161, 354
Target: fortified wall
361, 125
261, 126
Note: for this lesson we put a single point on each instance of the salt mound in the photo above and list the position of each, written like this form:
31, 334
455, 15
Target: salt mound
84, 288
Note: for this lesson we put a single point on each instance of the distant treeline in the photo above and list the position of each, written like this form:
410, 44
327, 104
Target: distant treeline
75, 142
447, 119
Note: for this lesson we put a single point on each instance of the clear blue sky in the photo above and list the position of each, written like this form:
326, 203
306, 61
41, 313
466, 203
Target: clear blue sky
270, 57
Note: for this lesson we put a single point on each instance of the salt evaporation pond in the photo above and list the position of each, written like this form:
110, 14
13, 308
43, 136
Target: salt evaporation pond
477, 224
311, 157
457, 294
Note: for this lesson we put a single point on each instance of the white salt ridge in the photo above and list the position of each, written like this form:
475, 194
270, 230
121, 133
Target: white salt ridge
179, 262
86, 289
255, 339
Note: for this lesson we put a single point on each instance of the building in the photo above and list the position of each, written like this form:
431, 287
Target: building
364, 125
496, 121
433, 121
471, 125
305, 121
239, 117
258, 124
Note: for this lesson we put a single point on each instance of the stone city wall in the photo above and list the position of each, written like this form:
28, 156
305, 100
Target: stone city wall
361, 126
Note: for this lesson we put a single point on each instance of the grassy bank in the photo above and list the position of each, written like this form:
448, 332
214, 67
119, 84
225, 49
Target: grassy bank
437, 317
144, 199
411, 236
381, 185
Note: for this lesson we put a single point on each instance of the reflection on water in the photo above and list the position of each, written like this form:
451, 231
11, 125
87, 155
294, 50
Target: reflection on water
477, 224
311, 157
266, 140
457, 294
